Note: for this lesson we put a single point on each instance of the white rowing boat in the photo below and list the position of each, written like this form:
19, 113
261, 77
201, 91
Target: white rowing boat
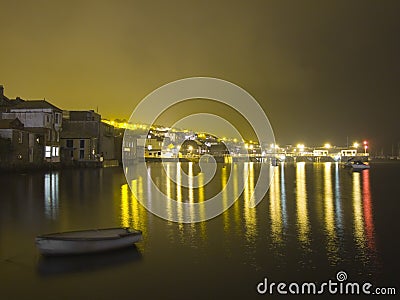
87, 241
357, 165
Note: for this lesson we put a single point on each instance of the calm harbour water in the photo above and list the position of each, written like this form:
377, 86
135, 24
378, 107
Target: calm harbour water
316, 220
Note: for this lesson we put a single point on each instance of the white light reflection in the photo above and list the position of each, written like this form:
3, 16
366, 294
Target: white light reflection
249, 212
331, 245
275, 207
51, 194
283, 196
301, 201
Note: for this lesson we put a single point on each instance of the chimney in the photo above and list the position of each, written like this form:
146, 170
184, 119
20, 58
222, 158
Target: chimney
1, 91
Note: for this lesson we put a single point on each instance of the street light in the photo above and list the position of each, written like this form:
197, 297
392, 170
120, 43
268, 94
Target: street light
327, 146
355, 145
365, 147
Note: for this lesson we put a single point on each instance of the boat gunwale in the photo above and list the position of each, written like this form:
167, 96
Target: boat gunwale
57, 235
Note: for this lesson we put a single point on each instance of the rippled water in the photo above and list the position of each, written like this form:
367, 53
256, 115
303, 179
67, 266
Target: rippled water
316, 220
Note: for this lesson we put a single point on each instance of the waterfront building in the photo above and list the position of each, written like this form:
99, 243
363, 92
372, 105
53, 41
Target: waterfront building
128, 144
86, 138
19, 147
153, 145
42, 118
320, 152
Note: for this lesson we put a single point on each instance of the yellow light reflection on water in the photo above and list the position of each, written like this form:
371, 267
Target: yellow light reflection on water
224, 180
283, 195
318, 184
135, 205
236, 205
301, 203
169, 191
191, 193
250, 216
132, 212
201, 205
125, 217
357, 211
331, 245
179, 192
275, 207
190, 179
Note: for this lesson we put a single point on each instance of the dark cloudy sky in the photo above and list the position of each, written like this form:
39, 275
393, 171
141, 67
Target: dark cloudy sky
322, 70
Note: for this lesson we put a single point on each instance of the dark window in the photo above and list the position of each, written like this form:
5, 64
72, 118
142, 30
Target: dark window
81, 154
82, 143
70, 143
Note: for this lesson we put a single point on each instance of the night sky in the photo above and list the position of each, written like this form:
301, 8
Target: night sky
322, 70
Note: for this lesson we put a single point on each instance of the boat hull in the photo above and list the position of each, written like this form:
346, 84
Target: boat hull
65, 245
359, 167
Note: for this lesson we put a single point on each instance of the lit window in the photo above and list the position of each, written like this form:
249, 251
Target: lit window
47, 152
55, 151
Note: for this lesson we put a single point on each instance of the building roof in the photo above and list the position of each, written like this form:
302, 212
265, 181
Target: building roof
35, 104
79, 130
4, 101
74, 133
11, 124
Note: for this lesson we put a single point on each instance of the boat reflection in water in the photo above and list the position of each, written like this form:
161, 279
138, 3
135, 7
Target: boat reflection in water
50, 266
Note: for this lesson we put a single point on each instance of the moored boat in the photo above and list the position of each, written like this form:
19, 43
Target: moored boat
87, 241
357, 165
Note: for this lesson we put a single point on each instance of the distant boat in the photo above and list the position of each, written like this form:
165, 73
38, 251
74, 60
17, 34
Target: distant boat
87, 241
275, 162
357, 165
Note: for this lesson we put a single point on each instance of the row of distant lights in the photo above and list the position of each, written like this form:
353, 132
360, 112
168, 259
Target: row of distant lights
328, 146
247, 145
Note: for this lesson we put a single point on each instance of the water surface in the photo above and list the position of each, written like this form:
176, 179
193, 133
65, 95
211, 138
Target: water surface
316, 220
